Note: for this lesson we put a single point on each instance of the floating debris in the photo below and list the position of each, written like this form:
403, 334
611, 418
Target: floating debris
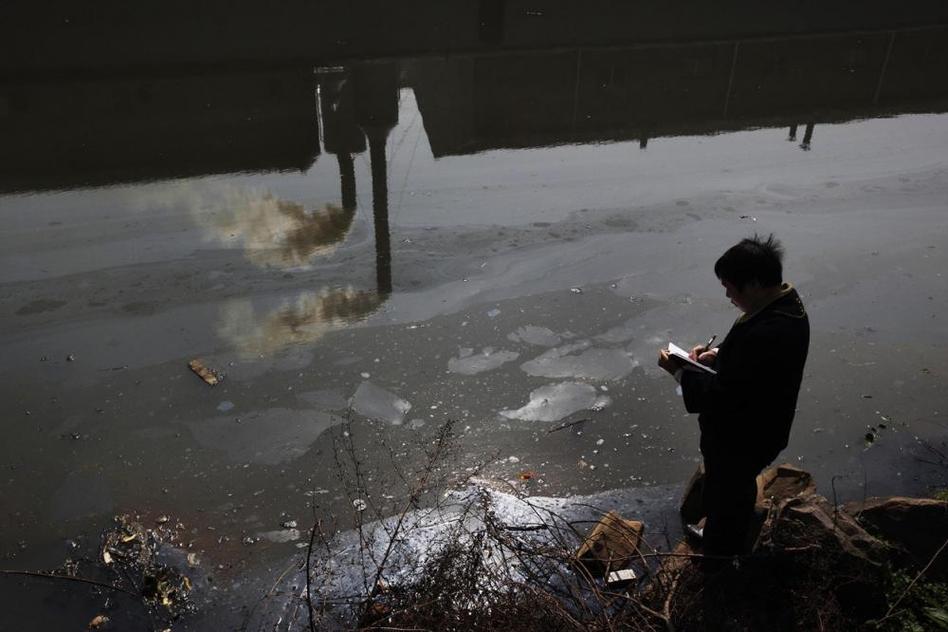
208, 375
148, 555
98, 621
359, 505
576, 290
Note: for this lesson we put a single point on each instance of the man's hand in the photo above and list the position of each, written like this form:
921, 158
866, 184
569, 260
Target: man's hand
668, 362
703, 355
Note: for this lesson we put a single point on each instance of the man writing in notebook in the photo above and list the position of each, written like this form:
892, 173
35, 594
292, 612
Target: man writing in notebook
746, 408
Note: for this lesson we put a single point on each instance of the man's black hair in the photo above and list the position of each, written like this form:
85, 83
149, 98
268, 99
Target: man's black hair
752, 259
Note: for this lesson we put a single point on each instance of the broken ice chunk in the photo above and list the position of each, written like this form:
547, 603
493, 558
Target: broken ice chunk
556, 401
374, 402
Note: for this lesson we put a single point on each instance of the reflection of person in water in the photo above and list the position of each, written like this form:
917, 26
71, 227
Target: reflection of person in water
746, 408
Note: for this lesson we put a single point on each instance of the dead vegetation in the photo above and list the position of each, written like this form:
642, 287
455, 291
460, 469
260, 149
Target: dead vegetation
453, 562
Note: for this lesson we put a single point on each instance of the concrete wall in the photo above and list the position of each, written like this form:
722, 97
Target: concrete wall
113, 35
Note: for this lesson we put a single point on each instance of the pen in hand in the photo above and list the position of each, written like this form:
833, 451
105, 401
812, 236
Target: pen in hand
707, 347
697, 351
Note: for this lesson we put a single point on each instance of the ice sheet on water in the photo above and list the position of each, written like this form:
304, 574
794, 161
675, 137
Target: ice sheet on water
280, 536
374, 402
328, 398
269, 437
469, 363
556, 401
621, 333
591, 364
531, 334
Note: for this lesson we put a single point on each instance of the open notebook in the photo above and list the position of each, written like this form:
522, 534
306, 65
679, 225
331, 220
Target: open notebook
678, 352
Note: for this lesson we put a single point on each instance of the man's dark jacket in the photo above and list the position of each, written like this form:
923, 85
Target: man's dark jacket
745, 411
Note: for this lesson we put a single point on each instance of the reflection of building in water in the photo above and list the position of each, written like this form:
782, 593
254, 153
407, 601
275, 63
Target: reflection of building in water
530, 99
87, 132
67, 133
307, 319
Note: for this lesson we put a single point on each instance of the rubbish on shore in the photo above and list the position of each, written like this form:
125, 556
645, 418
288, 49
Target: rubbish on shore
612, 544
621, 578
359, 504
288, 524
527, 475
98, 621
204, 373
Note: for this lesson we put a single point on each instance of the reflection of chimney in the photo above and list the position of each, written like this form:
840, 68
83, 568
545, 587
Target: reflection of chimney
342, 135
348, 181
807, 137
376, 105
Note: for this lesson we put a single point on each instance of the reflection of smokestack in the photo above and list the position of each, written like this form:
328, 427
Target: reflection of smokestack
342, 135
383, 247
376, 105
347, 176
